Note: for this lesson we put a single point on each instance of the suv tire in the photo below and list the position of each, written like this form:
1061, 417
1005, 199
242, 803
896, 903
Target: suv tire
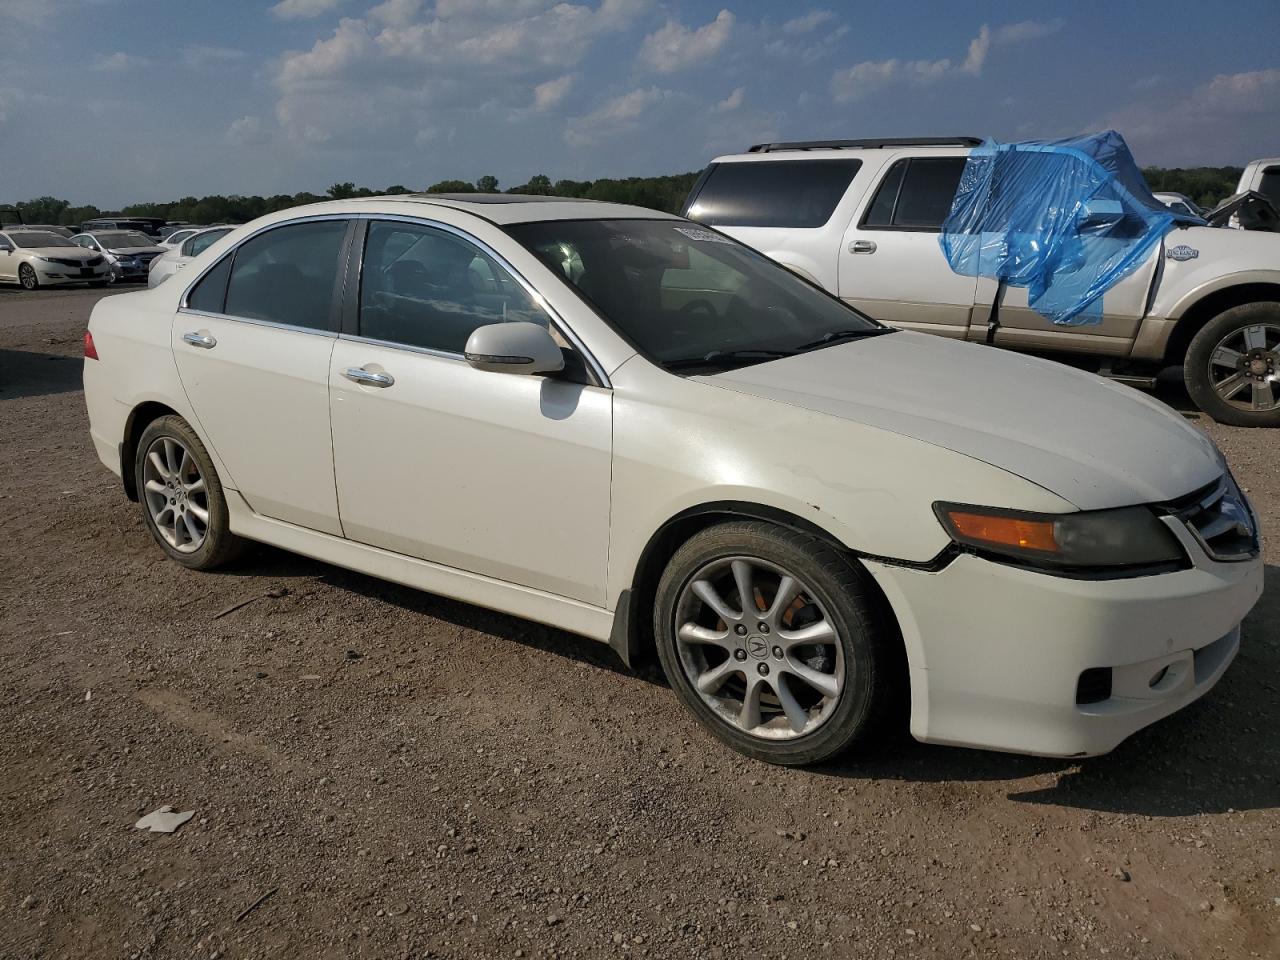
1251, 332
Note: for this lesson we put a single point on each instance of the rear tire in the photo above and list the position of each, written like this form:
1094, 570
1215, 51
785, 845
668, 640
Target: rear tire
812, 699
181, 496
27, 277
1232, 367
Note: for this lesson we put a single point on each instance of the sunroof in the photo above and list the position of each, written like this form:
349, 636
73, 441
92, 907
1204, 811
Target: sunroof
493, 197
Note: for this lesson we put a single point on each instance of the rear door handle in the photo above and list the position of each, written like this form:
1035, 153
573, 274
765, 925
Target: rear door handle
862, 246
200, 340
368, 377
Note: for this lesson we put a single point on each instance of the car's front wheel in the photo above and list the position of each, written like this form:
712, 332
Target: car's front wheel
1232, 368
771, 638
27, 277
181, 496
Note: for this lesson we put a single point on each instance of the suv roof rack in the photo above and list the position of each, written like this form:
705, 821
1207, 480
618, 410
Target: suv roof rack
872, 144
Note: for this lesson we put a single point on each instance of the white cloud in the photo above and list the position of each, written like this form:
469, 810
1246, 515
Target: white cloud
855, 82
733, 101
1226, 119
396, 13
549, 94
808, 23
247, 130
303, 9
614, 116
675, 46
119, 62
204, 56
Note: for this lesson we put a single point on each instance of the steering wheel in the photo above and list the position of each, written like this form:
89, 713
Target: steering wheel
695, 307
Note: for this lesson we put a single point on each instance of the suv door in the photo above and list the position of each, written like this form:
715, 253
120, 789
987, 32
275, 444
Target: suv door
499, 474
252, 341
891, 266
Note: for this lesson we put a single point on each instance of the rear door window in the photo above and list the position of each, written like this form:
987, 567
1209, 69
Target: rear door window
773, 193
287, 275
916, 194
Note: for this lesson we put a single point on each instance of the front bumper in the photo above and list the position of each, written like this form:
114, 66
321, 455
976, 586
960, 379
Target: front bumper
997, 653
131, 269
60, 273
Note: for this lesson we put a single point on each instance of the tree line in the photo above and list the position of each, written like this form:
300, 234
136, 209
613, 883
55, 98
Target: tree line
665, 193
1207, 186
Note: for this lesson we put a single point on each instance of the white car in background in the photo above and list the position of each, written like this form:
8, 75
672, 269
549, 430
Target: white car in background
627, 425
1180, 203
1264, 177
175, 238
175, 258
127, 252
36, 258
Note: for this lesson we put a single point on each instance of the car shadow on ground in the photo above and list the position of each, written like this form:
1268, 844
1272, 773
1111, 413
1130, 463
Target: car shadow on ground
25, 373
268, 562
1218, 754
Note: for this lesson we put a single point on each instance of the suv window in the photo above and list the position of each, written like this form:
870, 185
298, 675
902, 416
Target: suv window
287, 275
424, 287
773, 193
916, 194
1269, 185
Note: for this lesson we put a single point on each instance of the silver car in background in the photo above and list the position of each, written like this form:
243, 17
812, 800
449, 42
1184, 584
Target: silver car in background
174, 259
128, 252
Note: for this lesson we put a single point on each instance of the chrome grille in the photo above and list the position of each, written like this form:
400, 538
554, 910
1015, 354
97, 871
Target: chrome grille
1220, 519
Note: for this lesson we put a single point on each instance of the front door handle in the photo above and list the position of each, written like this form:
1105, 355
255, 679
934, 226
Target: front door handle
368, 377
200, 340
862, 246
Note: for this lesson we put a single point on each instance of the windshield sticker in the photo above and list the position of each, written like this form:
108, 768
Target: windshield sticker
694, 233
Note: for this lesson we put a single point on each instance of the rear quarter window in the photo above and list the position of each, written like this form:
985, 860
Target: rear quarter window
773, 193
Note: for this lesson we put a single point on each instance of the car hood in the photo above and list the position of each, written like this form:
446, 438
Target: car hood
134, 251
62, 253
1094, 443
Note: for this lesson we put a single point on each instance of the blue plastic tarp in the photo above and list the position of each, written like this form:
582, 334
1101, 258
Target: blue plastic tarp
1067, 219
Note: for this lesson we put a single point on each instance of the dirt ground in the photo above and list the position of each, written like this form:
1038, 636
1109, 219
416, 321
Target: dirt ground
401, 775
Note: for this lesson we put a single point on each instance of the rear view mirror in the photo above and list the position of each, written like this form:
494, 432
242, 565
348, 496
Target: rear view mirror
520, 347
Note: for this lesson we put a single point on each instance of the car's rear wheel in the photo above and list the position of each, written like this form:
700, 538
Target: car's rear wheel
181, 496
1232, 368
770, 637
27, 277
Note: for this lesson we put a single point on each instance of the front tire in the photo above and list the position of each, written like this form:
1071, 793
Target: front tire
1232, 368
181, 496
27, 277
771, 638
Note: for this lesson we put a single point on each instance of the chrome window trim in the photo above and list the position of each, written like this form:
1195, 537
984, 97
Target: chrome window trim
565, 330
187, 311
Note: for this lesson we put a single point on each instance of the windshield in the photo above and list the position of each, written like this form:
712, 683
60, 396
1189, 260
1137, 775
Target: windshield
37, 240
124, 240
689, 297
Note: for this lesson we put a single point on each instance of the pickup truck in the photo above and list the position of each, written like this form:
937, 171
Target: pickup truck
861, 219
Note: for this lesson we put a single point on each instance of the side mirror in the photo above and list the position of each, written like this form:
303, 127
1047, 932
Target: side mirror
519, 347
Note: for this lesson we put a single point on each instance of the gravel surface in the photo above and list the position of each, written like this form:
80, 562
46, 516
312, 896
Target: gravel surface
400, 775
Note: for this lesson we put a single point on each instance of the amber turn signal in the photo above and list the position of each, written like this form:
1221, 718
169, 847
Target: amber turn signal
1004, 531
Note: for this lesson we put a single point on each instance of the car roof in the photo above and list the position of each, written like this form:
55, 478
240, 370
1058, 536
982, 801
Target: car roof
844, 149
505, 208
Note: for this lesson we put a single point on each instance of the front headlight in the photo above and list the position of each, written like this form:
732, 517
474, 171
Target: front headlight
43, 259
1096, 539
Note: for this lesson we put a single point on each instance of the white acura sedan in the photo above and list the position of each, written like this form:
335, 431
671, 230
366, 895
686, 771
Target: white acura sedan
629, 426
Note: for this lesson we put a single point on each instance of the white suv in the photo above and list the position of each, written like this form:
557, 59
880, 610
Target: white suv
861, 218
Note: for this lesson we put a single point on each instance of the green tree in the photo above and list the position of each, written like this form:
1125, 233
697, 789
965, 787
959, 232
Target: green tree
452, 186
487, 184
398, 190
342, 191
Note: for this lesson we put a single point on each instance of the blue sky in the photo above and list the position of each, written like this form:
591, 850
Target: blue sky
115, 101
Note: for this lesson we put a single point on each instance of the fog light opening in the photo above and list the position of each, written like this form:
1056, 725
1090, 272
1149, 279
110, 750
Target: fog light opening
1159, 675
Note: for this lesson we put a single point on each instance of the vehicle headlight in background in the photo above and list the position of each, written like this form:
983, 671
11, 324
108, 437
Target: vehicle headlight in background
1125, 537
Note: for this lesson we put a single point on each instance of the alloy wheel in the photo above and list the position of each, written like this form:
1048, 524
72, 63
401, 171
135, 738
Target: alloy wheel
759, 648
27, 277
176, 495
1244, 367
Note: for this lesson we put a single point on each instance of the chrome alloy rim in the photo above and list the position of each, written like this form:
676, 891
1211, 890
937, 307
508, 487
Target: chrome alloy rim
175, 493
1244, 367
759, 648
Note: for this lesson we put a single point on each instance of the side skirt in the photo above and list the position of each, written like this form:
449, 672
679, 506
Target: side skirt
554, 611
